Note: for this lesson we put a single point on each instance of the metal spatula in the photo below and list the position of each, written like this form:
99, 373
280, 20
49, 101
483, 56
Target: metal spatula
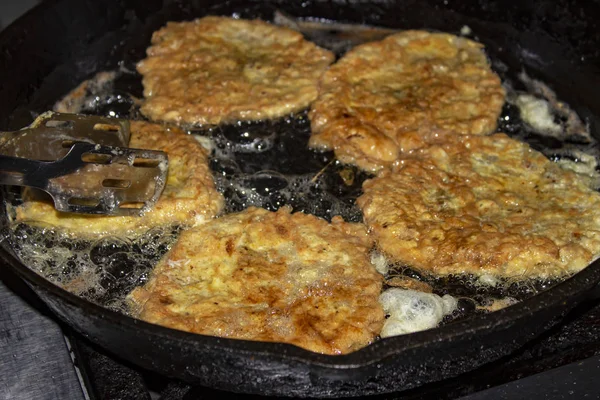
84, 164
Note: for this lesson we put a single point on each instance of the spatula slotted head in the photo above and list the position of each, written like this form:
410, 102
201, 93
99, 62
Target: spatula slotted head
51, 135
83, 162
108, 180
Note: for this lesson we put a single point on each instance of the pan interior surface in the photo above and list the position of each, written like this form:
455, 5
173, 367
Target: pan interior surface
518, 39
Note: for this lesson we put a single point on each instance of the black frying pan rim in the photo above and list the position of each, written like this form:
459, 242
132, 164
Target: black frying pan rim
364, 357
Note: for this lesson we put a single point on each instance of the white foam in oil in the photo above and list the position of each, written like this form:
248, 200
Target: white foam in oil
412, 311
249, 166
102, 270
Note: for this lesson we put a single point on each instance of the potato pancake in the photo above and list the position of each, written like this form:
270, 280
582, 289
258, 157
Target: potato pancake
219, 69
483, 205
388, 97
189, 197
269, 276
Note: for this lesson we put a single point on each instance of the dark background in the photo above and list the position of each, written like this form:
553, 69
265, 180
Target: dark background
12, 9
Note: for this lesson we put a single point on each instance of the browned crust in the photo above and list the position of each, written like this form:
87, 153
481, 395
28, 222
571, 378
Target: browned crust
219, 69
388, 97
269, 276
483, 205
404, 282
189, 197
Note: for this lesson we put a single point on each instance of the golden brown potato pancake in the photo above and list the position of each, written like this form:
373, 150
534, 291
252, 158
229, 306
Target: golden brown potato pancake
483, 205
219, 69
388, 97
269, 276
189, 197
